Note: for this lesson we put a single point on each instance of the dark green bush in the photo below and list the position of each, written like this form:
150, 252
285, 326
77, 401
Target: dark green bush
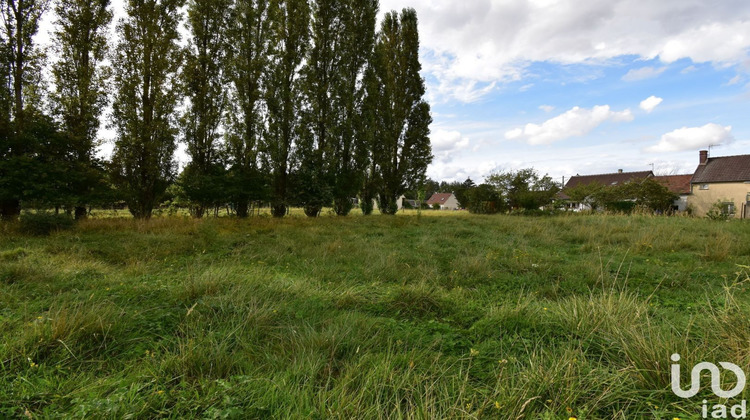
41, 224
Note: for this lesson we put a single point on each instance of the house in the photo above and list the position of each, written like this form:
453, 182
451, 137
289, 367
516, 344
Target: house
399, 202
617, 178
446, 201
723, 179
677, 184
409, 203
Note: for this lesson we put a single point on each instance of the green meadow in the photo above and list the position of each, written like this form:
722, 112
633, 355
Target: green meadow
443, 315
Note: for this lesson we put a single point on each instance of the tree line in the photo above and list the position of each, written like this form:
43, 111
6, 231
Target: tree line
526, 190
285, 102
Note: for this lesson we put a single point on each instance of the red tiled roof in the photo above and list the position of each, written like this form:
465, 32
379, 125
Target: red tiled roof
607, 179
678, 184
439, 198
723, 169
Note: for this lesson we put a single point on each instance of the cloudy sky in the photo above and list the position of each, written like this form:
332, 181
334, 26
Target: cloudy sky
583, 86
580, 86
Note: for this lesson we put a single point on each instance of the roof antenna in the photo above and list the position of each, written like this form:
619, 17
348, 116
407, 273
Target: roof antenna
711, 146
652, 167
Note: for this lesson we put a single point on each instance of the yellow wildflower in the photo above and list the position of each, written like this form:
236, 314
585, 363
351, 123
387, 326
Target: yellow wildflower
497, 405
473, 352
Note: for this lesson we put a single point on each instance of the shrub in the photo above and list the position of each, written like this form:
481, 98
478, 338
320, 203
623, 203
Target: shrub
719, 210
42, 224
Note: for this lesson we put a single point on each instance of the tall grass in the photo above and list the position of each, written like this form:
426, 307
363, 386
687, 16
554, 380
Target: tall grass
442, 316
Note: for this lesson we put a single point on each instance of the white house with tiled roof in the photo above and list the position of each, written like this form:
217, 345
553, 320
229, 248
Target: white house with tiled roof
446, 201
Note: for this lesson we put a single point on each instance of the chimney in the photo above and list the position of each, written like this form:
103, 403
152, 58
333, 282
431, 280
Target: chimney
619, 171
703, 157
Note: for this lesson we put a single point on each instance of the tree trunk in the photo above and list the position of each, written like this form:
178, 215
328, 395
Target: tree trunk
80, 213
10, 210
278, 210
342, 206
242, 209
312, 210
388, 205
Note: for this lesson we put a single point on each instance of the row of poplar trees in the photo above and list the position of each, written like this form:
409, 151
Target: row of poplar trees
287, 102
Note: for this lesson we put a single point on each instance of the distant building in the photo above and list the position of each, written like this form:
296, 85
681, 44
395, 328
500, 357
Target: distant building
606, 180
447, 201
721, 179
677, 184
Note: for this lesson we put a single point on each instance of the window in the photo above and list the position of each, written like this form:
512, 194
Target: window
704, 186
727, 208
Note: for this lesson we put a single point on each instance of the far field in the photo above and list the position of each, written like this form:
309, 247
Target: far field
452, 316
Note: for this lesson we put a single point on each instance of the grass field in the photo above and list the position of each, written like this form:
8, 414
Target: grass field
455, 316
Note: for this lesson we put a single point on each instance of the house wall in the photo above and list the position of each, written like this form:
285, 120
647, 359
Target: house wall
450, 204
682, 202
399, 203
702, 200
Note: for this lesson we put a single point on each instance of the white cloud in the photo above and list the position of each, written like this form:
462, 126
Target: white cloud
650, 103
692, 138
572, 123
547, 108
643, 73
735, 80
445, 144
495, 40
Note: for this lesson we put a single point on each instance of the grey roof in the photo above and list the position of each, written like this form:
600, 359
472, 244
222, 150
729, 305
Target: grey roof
723, 169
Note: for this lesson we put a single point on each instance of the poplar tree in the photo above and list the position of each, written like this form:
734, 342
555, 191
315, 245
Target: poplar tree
319, 79
250, 34
21, 69
401, 147
330, 152
206, 90
146, 62
81, 88
349, 157
283, 95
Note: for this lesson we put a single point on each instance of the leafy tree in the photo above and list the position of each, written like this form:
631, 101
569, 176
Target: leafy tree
205, 88
250, 36
615, 198
332, 149
146, 62
483, 199
81, 94
351, 145
290, 22
585, 193
524, 189
648, 194
430, 187
21, 23
320, 78
21, 64
653, 195
203, 189
401, 150
459, 189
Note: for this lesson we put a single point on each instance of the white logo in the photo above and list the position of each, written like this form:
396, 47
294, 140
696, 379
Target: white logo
695, 379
